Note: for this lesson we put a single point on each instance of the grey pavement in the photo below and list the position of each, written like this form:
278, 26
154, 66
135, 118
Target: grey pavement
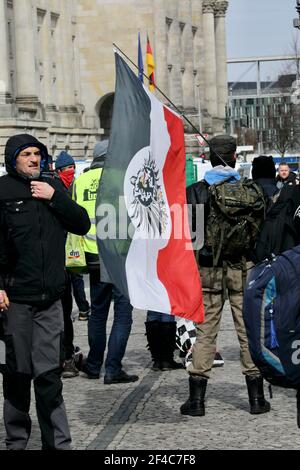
145, 414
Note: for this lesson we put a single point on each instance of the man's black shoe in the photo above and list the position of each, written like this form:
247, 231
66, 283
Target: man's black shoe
89, 374
218, 360
122, 377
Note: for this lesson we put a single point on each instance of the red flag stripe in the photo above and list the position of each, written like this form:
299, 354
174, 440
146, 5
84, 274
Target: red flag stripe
175, 262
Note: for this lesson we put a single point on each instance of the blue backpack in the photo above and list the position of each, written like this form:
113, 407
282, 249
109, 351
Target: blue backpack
271, 313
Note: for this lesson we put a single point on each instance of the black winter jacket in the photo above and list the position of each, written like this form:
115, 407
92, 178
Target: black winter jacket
268, 185
198, 193
32, 232
295, 196
291, 180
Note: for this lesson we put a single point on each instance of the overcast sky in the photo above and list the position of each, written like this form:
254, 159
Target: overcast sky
260, 28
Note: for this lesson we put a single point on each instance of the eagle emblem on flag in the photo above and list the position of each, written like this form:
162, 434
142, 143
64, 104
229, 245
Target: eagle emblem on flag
148, 208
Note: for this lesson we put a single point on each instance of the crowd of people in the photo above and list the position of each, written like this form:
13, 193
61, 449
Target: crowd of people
39, 205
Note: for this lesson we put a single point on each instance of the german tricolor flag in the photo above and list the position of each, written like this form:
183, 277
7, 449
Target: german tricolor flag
150, 66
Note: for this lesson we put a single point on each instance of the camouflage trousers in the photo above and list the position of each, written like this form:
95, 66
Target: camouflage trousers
216, 282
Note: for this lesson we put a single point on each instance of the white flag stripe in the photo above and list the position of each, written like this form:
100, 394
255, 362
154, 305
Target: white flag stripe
145, 289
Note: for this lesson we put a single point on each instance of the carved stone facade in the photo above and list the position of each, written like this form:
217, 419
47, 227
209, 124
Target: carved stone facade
40, 76
57, 74
189, 45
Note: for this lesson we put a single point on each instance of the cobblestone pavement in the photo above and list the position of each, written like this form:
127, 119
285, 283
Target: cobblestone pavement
145, 414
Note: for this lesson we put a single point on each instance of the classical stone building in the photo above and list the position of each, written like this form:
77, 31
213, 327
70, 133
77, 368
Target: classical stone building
40, 77
189, 45
57, 73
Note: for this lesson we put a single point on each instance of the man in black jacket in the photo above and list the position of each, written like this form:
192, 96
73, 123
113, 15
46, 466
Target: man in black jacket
285, 176
35, 213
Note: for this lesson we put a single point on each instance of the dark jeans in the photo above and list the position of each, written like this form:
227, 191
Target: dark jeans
78, 292
161, 317
101, 296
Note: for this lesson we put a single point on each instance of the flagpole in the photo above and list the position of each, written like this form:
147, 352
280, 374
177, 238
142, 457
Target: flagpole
171, 102
165, 96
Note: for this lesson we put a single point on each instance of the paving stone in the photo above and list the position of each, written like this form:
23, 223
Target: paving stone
145, 414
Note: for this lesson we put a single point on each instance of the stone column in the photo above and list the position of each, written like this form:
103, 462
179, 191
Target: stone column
76, 67
221, 56
160, 28
174, 66
199, 64
187, 62
5, 92
210, 56
25, 52
47, 60
63, 48
68, 49
56, 67
173, 52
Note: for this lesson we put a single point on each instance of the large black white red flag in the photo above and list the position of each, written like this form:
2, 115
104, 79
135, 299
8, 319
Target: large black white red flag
142, 228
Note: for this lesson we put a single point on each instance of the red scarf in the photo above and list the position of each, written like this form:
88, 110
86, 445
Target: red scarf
67, 177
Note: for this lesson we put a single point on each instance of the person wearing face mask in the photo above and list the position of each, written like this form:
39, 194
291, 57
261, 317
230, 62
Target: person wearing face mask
65, 169
35, 214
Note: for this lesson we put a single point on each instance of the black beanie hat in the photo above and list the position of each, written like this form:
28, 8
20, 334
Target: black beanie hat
263, 167
225, 146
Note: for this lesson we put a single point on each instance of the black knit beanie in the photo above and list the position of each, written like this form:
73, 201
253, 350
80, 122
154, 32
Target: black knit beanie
225, 146
263, 167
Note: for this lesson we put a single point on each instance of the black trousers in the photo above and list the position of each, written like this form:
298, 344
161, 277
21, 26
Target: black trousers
67, 305
50, 409
33, 341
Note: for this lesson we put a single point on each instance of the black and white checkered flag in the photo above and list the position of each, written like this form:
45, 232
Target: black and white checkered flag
185, 338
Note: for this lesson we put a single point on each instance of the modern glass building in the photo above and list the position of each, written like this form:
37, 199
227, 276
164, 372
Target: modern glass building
264, 117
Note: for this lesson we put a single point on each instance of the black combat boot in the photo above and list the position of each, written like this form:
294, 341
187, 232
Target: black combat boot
257, 401
153, 337
167, 335
298, 407
194, 406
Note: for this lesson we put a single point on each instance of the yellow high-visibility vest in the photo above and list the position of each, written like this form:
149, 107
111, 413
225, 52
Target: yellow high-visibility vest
85, 194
